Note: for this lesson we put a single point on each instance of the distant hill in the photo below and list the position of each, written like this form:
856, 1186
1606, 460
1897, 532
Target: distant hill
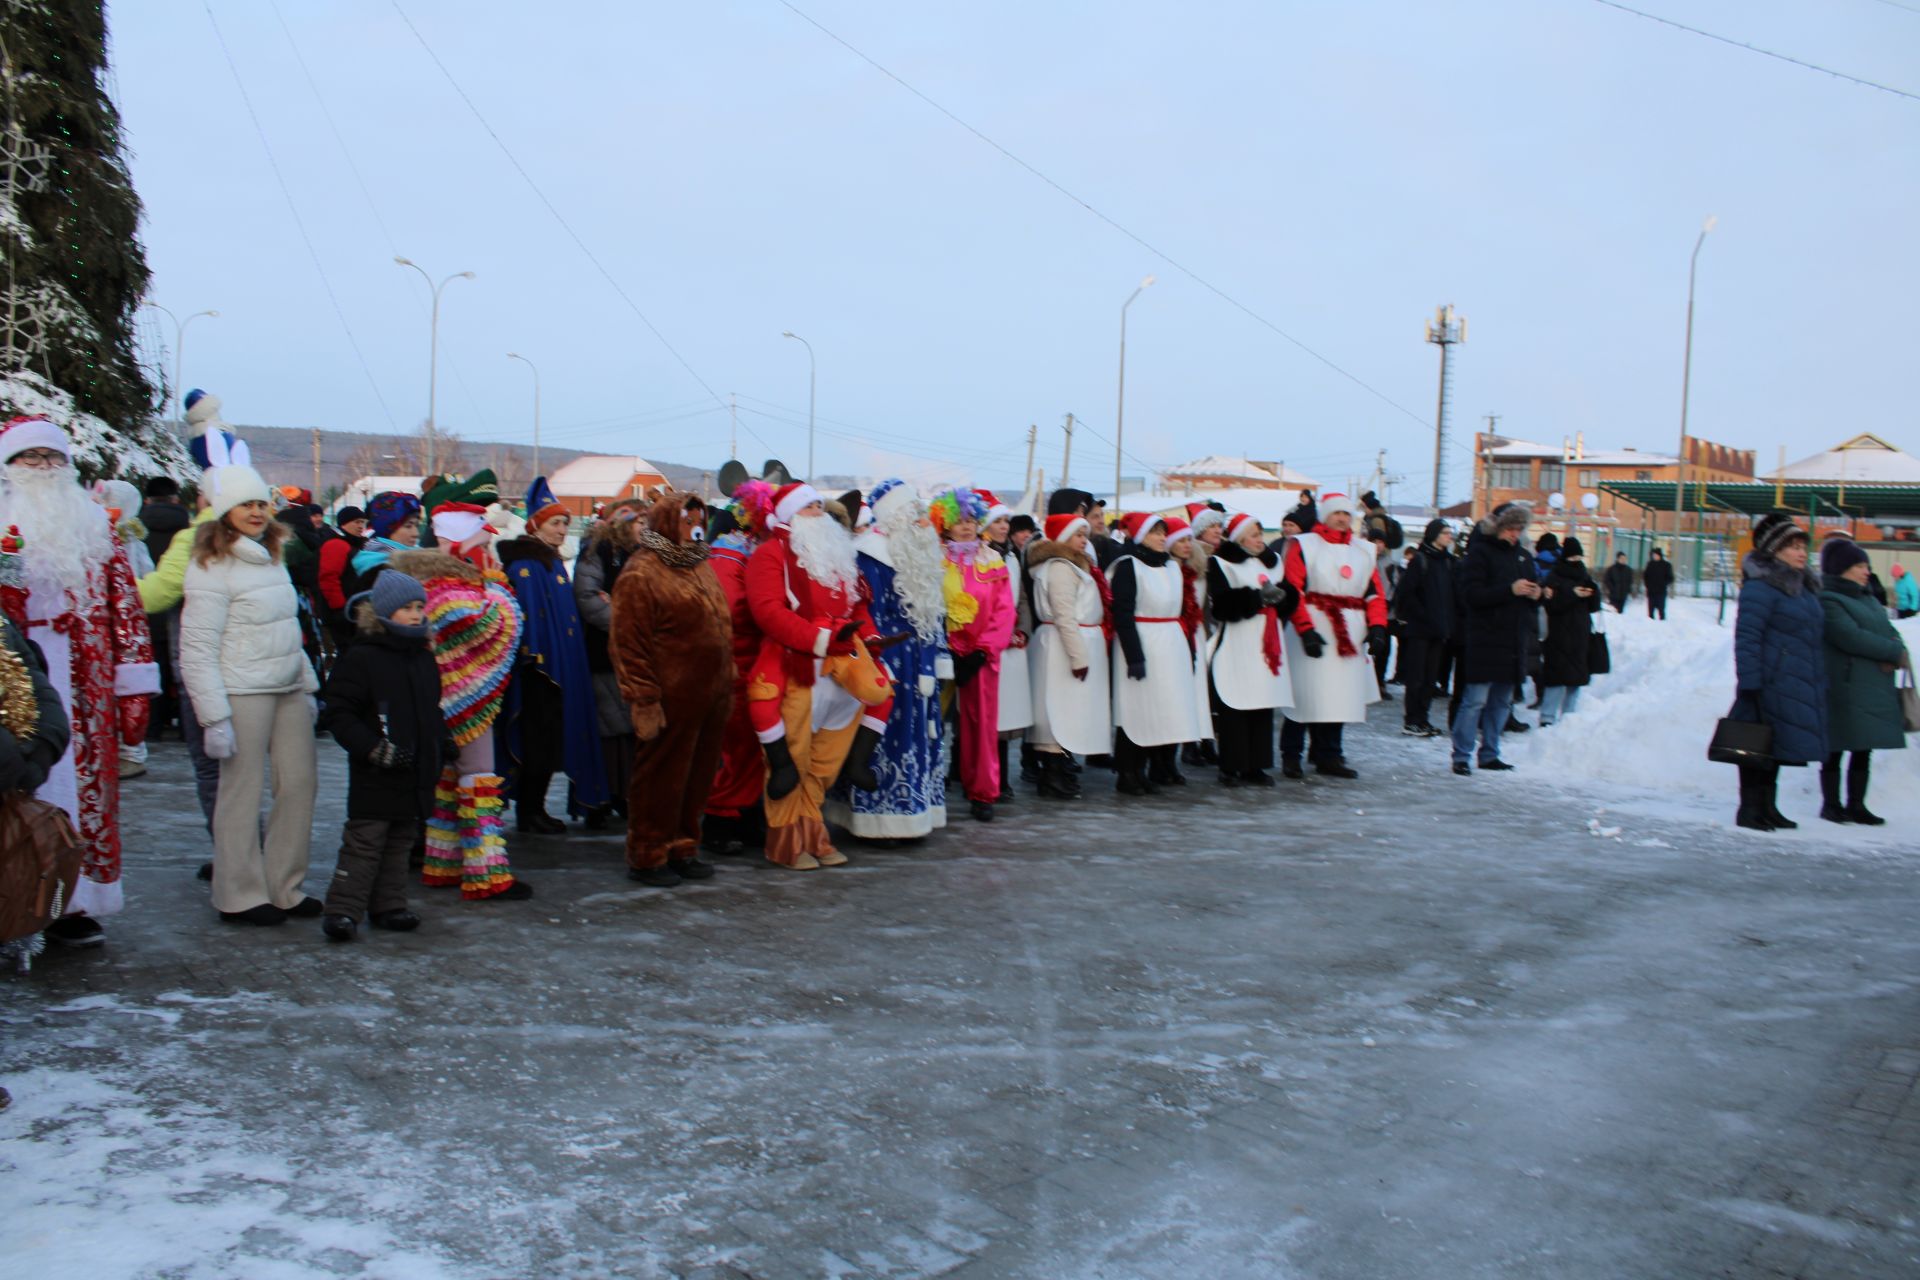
284, 455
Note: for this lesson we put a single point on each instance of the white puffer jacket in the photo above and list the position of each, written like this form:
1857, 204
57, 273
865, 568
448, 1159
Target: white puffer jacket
240, 631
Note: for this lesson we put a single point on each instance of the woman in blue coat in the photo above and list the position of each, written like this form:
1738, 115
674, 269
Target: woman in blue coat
1779, 662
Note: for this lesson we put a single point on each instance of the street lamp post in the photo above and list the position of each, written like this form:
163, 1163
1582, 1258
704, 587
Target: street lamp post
515, 355
1686, 379
813, 370
180, 347
1120, 406
433, 349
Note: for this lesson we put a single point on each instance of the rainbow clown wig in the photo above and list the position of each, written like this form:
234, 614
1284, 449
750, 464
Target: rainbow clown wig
955, 505
751, 505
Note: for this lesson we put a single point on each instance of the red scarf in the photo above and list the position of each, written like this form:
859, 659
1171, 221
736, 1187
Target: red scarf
1106, 599
1190, 617
1270, 634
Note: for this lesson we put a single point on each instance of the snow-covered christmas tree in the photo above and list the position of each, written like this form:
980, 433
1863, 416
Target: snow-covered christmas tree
74, 270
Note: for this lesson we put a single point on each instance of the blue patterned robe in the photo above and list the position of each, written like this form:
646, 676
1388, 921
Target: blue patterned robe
911, 760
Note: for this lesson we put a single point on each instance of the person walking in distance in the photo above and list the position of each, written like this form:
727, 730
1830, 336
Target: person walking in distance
1657, 578
1619, 582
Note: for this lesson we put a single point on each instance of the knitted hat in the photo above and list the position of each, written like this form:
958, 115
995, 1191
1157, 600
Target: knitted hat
22, 434
1548, 541
1332, 503
392, 590
1064, 525
789, 500
1840, 555
389, 510
1572, 548
225, 488
1435, 527
1773, 531
346, 516
1139, 523
455, 522
1239, 524
542, 506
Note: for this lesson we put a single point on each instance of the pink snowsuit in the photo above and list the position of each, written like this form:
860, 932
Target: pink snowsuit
980, 620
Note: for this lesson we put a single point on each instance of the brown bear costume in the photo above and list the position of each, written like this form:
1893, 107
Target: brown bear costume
671, 645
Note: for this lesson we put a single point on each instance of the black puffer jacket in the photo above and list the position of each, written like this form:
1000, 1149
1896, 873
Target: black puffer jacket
1498, 622
1569, 624
1236, 604
1424, 600
387, 686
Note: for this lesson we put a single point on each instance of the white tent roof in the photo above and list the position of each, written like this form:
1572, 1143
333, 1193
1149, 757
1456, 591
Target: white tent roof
1865, 459
598, 475
1241, 468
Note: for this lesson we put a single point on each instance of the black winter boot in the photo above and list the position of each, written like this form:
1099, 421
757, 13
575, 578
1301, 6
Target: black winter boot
858, 770
1831, 810
1132, 783
1752, 813
1769, 794
782, 775
1163, 768
1857, 778
1055, 782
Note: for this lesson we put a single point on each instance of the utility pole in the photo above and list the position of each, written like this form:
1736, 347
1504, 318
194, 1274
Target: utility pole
1033, 436
1446, 330
316, 463
1486, 461
1686, 379
1066, 458
733, 426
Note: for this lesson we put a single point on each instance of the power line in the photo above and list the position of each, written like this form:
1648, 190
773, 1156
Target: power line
347, 152
1767, 53
1198, 279
1895, 4
542, 197
294, 209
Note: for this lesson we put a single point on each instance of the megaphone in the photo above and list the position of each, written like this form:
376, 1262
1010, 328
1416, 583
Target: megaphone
733, 474
775, 473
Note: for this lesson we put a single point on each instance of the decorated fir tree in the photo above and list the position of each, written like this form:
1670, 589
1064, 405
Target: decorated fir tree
74, 270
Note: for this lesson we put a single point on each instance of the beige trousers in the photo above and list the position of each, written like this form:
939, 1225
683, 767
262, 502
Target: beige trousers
276, 727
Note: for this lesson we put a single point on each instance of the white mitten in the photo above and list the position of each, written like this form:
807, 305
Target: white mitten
217, 740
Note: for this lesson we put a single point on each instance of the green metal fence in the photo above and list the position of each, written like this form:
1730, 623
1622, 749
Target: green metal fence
1703, 564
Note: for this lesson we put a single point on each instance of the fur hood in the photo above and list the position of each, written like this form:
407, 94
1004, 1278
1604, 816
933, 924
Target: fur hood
425, 564
1041, 550
1778, 574
526, 547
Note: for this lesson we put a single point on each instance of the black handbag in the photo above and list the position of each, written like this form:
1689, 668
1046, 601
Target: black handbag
1599, 656
1741, 742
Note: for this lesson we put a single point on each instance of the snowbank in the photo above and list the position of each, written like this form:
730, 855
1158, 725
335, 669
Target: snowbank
1646, 726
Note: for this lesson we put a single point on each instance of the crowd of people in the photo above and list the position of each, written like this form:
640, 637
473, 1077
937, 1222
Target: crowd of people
741, 676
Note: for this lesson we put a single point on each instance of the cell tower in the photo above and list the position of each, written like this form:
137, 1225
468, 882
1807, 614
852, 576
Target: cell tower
1445, 330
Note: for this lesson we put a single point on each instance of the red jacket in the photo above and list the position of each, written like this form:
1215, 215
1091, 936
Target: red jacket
335, 553
796, 612
730, 566
1375, 595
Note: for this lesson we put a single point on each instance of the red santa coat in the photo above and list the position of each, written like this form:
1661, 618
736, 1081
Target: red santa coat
100, 658
743, 772
798, 614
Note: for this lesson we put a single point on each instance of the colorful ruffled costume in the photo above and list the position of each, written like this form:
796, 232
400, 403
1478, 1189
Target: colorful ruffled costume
476, 625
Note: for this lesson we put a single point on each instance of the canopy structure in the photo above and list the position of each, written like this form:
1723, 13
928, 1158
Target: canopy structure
1753, 498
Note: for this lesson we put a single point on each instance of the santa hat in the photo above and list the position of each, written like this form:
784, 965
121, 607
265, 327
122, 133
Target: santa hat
542, 506
455, 522
996, 509
1177, 529
888, 498
1239, 524
225, 488
22, 434
1138, 523
1065, 525
1204, 515
1334, 502
789, 500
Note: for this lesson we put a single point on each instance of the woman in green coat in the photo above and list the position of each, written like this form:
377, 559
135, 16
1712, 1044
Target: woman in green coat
1863, 652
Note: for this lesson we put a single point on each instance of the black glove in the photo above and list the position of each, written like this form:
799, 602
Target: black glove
1272, 594
1313, 643
1136, 668
388, 754
1377, 641
966, 666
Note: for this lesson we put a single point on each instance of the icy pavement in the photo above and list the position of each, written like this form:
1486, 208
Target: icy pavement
1417, 1026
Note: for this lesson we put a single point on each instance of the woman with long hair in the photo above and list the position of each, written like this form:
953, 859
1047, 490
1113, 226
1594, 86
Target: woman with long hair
252, 688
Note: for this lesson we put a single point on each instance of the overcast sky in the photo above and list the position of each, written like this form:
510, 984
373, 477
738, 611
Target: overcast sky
1337, 168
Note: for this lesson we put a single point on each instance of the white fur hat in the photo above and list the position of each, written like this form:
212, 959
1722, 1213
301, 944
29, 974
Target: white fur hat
227, 487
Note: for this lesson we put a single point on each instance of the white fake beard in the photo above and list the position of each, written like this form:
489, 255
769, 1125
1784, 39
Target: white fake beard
825, 551
919, 571
64, 529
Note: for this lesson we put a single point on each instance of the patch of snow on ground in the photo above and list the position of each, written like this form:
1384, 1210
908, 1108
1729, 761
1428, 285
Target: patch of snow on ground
1646, 726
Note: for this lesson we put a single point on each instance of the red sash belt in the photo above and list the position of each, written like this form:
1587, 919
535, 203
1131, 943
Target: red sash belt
1342, 638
